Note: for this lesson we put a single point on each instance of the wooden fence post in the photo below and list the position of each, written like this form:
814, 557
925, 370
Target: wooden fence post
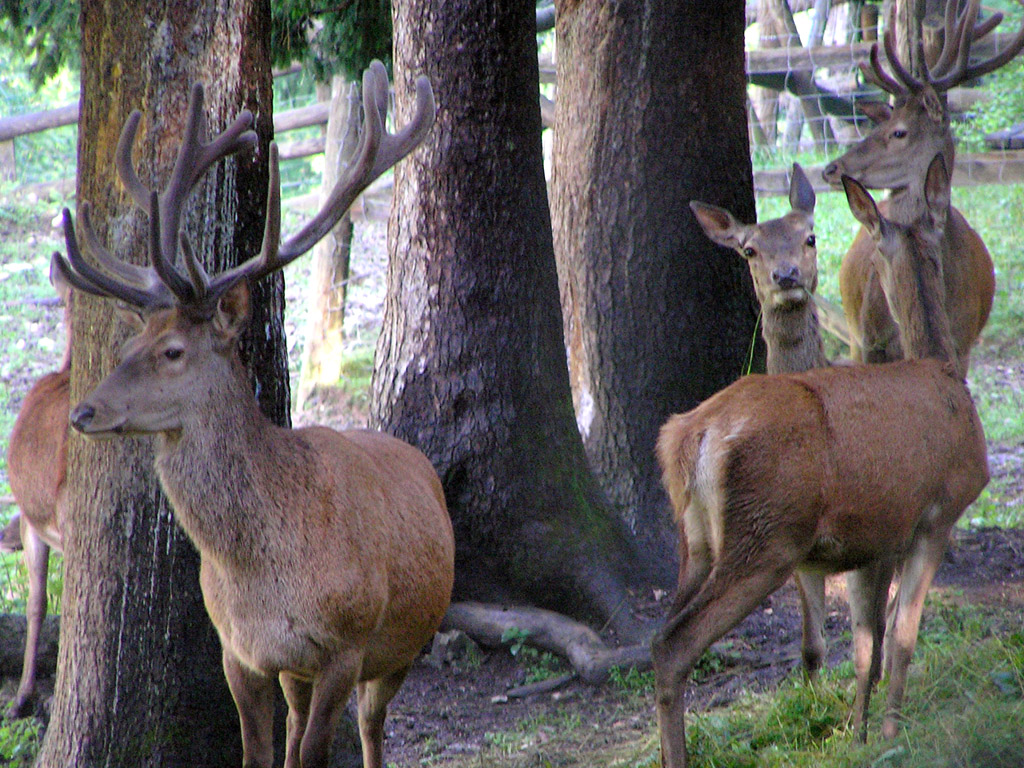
8, 169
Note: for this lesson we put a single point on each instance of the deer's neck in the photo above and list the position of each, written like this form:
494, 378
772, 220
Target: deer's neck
922, 319
793, 338
216, 471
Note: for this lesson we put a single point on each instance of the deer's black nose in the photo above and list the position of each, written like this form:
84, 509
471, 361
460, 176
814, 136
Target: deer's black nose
831, 172
787, 276
81, 416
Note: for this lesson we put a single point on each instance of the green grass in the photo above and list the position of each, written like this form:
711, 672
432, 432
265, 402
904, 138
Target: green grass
964, 706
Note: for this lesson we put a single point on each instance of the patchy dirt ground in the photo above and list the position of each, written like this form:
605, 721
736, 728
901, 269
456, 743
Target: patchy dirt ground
451, 713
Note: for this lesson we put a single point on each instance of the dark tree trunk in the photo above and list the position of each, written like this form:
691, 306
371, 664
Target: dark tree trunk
656, 316
471, 363
139, 680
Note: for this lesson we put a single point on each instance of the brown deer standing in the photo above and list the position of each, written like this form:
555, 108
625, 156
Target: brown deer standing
852, 468
326, 557
783, 260
36, 463
895, 156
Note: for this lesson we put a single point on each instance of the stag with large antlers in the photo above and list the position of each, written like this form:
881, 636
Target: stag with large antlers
896, 156
326, 557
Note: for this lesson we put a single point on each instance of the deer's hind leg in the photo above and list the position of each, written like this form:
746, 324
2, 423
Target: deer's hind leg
811, 585
37, 558
722, 602
373, 697
868, 590
917, 573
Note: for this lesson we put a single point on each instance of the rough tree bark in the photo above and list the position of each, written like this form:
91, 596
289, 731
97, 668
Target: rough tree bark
656, 316
139, 680
471, 363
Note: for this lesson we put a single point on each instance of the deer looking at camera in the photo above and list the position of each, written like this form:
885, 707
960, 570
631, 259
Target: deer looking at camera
783, 260
326, 557
895, 156
851, 468
36, 463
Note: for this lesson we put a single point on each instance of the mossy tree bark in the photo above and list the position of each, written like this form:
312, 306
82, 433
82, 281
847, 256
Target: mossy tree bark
650, 115
139, 680
470, 365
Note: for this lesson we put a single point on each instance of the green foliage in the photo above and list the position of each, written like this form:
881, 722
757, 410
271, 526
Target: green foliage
515, 638
45, 156
631, 680
43, 35
343, 39
1004, 108
19, 742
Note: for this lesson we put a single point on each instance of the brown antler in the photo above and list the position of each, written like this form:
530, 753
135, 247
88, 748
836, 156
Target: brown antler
377, 151
162, 285
952, 67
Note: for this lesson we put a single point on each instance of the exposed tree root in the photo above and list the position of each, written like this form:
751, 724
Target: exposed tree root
590, 657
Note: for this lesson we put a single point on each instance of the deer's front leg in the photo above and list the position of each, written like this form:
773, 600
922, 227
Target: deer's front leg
331, 691
254, 699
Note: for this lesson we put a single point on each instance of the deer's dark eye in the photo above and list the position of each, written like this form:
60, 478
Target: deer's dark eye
173, 353
811, 241
749, 252
899, 133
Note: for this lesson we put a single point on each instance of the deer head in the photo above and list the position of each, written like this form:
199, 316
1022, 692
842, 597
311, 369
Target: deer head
781, 253
189, 321
909, 262
908, 135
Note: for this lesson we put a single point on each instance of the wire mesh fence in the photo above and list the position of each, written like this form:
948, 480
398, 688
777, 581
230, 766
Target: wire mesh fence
806, 81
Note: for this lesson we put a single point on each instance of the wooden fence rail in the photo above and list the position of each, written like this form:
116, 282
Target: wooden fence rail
1001, 168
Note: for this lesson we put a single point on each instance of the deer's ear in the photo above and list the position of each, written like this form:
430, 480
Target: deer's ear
862, 206
232, 314
877, 111
801, 193
718, 224
130, 316
932, 103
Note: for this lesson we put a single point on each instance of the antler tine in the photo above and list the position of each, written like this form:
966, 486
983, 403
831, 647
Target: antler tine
989, 65
87, 278
158, 255
950, 36
194, 159
875, 75
196, 274
143, 278
266, 261
123, 161
910, 82
963, 37
377, 151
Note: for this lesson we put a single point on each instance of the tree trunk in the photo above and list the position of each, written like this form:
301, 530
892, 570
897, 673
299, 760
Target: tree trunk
471, 363
139, 680
657, 317
322, 357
